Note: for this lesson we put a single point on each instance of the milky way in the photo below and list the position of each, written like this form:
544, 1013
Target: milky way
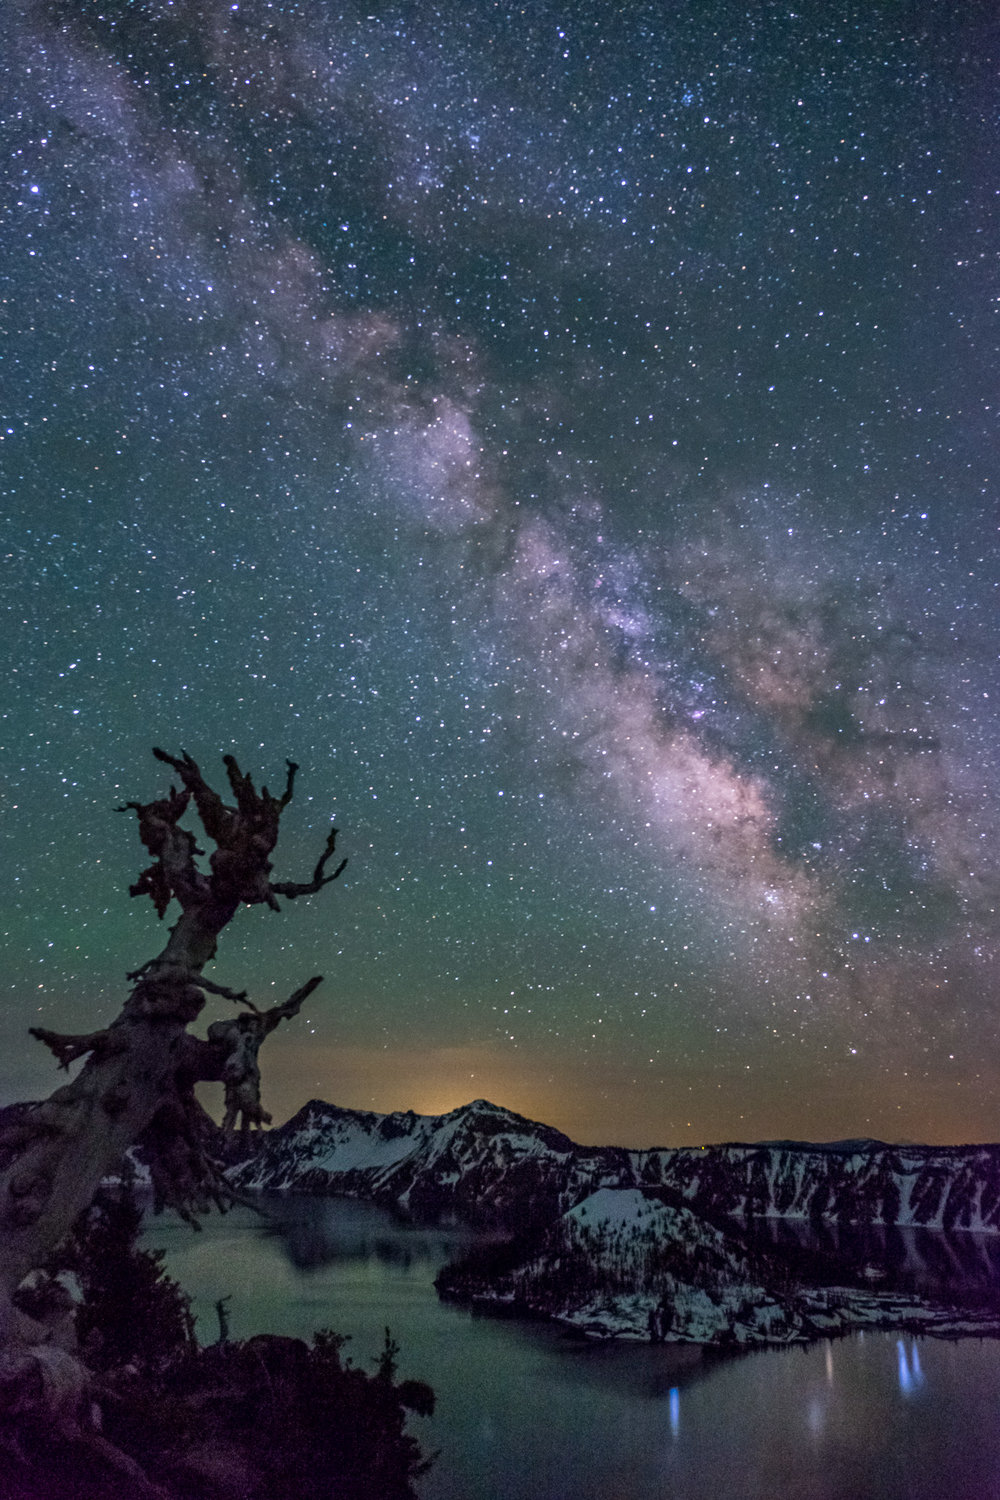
570, 435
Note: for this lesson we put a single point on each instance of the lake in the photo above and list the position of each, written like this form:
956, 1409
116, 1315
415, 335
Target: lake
524, 1413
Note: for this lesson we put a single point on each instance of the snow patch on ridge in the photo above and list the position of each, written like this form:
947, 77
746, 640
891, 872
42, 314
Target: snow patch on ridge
484, 1162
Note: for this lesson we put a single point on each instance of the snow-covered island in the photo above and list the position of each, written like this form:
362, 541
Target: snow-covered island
625, 1264
659, 1245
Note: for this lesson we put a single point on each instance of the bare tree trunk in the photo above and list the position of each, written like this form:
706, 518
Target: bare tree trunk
138, 1078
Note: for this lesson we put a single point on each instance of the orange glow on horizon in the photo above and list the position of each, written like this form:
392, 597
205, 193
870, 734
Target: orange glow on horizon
601, 1103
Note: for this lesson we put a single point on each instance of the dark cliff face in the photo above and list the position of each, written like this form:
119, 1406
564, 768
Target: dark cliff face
486, 1165
481, 1164
941, 1187
737, 1246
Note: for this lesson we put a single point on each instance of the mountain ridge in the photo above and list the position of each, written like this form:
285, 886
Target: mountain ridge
665, 1244
488, 1165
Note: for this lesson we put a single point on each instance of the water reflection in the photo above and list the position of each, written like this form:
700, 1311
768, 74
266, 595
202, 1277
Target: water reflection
675, 1411
911, 1376
889, 1257
527, 1414
816, 1416
314, 1232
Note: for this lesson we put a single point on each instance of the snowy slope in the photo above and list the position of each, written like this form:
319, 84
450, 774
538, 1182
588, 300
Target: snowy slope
488, 1165
624, 1265
939, 1187
481, 1162
647, 1244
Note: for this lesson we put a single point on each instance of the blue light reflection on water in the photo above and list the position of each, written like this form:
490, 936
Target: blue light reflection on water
525, 1414
675, 1411
911, 1375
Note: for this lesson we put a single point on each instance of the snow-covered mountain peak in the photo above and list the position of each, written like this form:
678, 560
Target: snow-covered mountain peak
483, 1162
661, 1244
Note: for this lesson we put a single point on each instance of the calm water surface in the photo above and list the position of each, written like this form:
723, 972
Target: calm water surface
526, 1414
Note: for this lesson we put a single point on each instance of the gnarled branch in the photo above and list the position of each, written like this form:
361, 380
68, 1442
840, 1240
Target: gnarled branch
240, 1041
293, 888
68, 1048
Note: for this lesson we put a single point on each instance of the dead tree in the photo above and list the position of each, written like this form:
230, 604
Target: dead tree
239, 1039
137, 1083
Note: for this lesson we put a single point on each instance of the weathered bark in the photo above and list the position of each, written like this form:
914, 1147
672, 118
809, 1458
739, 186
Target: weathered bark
138, 1078
240, 1041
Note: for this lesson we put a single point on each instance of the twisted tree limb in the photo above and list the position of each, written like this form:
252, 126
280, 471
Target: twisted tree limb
291, 888
240, 1041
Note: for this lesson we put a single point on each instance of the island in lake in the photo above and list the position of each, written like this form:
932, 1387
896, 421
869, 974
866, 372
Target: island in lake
729, 1245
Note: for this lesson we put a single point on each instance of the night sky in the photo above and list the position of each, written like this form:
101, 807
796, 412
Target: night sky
570, 433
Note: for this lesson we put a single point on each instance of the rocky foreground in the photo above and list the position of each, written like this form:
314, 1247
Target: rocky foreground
659, 1244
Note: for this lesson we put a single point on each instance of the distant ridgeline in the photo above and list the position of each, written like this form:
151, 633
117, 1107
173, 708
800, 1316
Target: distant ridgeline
726, 1245
732, 1246
488, 1166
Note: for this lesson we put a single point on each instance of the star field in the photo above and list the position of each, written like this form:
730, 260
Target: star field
570, 434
